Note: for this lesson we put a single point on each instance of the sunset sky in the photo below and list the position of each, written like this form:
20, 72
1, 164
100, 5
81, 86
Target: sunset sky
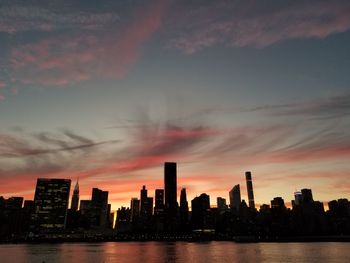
108, 91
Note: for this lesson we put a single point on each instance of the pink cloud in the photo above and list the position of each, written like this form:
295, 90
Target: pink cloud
2, 84
62, 60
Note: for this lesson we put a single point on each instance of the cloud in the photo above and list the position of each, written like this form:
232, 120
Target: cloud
255, 23
16, 18
322, 108
69, 58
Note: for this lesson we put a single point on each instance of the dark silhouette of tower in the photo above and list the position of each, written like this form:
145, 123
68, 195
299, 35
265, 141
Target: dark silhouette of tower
135, 209
170, 192
75, 197
183, 210
248, 177
159, 202
235, 198
143, 199
99, 208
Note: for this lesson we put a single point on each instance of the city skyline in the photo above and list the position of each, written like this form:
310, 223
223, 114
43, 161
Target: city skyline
234, 196
107, 92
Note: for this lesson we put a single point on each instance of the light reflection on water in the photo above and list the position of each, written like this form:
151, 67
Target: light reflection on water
176, 252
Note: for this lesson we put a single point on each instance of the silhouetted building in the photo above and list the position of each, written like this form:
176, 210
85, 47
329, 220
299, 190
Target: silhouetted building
221, 205
307, 196
99, 210
235, 198
183, 210
170, 192
75, 197
11, 216
201, 214
277, 203
50, 204
123, 220
159, 202
135, 209
143, 199
298, 199
248, 177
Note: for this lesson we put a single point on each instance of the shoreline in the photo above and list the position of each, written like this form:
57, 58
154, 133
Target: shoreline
194, 239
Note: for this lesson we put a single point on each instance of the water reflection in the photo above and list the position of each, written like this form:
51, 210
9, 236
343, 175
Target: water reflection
175, 252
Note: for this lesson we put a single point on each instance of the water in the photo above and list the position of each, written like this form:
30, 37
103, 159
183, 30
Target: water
176, 252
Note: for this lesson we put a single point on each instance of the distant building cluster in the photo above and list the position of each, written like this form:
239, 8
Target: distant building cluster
163, 214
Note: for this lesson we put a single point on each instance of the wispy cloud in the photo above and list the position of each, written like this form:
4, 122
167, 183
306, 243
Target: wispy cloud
256, 23
321, 108
16, 17
72, 57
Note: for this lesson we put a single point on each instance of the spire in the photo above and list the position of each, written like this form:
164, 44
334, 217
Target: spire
76, 188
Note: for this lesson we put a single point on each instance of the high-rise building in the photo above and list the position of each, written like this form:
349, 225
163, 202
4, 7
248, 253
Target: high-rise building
201, 214
221, 204
298, 198
183, 209
143, 199
307, 196
277, 203
235, 198
50, 203
99, 210
135, 209
170, 186
248, 177
170, 193
159, 202
75, 197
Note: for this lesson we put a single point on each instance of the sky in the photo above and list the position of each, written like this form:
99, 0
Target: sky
107, 91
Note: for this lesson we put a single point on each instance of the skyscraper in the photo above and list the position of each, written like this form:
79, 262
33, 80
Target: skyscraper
183, 210
99, 209
201, 214
50, 203
248, 177
235, 198
135, 209
75, 197
170, 193
170, 187
143, 199
221, 205
298, 198
307, 195
159, 202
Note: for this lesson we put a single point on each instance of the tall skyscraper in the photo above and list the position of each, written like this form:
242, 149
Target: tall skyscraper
99, 209
50, 203
143, 199
235, 198
159, 202
183, 209
75, 197
135, 209
170, 187
248, 177
170, 194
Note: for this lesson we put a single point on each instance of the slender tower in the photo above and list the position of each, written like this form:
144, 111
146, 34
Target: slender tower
75, 197
248, 178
